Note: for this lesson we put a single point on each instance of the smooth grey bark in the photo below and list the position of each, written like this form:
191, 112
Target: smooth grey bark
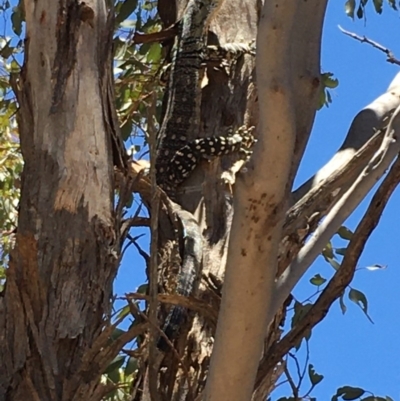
262, 196
364, 125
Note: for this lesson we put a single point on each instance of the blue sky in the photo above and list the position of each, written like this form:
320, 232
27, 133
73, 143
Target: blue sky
347, 349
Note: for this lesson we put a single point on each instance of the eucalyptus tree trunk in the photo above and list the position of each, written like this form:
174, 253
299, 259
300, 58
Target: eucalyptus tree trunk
59, 280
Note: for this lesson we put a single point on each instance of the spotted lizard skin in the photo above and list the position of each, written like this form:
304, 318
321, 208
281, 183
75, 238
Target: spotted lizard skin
177, 157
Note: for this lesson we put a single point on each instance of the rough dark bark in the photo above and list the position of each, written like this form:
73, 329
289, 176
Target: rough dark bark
59, 281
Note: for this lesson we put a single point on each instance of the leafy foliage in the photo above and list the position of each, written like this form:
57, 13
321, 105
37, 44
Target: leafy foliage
328, 82
355, 393
10, 156
358, 8
136, 68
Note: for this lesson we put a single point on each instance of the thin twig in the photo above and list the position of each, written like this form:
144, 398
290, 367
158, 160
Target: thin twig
203, 308
295, 390
160, 36
153, 270
142, 253
363, 39
136, 311
303, 374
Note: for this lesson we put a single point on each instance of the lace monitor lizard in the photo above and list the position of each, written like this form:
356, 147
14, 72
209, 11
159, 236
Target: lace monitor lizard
177, 157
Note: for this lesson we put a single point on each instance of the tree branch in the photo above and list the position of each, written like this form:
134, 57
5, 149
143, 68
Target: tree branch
206, 311
303, 217
363, 39
342, 277
306, 76
362, 128
390, 147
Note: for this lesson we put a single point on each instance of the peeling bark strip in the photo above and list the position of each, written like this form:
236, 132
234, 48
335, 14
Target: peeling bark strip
59, 282
67, 31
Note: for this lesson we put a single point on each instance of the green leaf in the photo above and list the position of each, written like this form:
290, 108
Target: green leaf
345, 233
328, 81
315, 378
348, 393
359, 299
378, 6
321, 99
116, 333
300, 311
142, 289
125, 9
131, 366
376, 266
335, 264
144, 49
126, 129
349, 8
16, 20
130, 201
7, 50
115, 364
328, 99
360, 12
340, 251
154, 53
123, 312
392, 3
343, 307
327, 252
14, 67
148, 5
128, 23
317, 280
